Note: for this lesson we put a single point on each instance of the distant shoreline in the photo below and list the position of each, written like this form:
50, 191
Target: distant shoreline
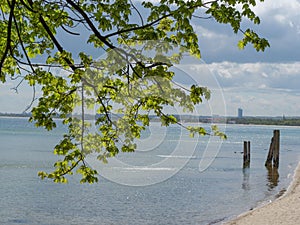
249, 120
15, 114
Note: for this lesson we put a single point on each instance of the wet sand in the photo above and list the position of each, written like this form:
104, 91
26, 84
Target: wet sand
284, 211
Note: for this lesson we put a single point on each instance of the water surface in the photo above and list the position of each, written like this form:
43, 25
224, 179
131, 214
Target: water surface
224, 189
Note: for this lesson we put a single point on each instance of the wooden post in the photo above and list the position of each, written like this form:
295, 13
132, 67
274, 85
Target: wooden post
248, 152
246, 162
276, 148
270, 154
245, 154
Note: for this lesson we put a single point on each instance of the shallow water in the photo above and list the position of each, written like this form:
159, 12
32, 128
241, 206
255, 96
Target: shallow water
185, 196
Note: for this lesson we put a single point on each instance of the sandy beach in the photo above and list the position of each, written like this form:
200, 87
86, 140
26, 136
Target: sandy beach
284, 210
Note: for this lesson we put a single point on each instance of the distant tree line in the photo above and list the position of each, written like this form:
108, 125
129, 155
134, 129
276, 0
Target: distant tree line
266, 121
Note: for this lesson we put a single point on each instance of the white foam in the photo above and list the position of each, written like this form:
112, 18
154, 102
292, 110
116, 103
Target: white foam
177, 156
148, 168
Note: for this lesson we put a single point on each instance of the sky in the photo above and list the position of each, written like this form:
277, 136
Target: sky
265, 83
261, 83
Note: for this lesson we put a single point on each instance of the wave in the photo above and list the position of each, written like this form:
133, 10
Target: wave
15, 166
148, 168
177, 156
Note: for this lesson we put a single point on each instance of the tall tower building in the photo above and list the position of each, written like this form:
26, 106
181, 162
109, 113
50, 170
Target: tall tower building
240, 113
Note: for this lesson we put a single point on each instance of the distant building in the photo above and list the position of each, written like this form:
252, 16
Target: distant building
240, 113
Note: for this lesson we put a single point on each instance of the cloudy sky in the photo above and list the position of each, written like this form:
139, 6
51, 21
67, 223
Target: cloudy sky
262, 83
267, 83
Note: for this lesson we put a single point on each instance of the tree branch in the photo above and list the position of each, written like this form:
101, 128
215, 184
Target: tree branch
82, 117
91, 25
8, 39
97, 33
137, 28
138, 12
55, 41
22, 45
68, 31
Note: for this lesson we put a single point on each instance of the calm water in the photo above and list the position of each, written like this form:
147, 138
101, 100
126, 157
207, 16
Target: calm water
223, 190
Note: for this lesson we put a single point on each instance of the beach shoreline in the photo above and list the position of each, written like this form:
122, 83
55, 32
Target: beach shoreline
284, 210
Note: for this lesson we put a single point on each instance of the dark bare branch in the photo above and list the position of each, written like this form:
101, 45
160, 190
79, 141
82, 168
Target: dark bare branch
68, 31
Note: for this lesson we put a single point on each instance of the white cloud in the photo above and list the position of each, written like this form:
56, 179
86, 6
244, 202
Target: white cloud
281, 18
280, 24
269, 89
265, 75
291, 7
262, 104
272, 75
204, 32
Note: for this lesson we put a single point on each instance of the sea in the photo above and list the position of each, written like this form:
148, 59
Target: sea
171, 179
